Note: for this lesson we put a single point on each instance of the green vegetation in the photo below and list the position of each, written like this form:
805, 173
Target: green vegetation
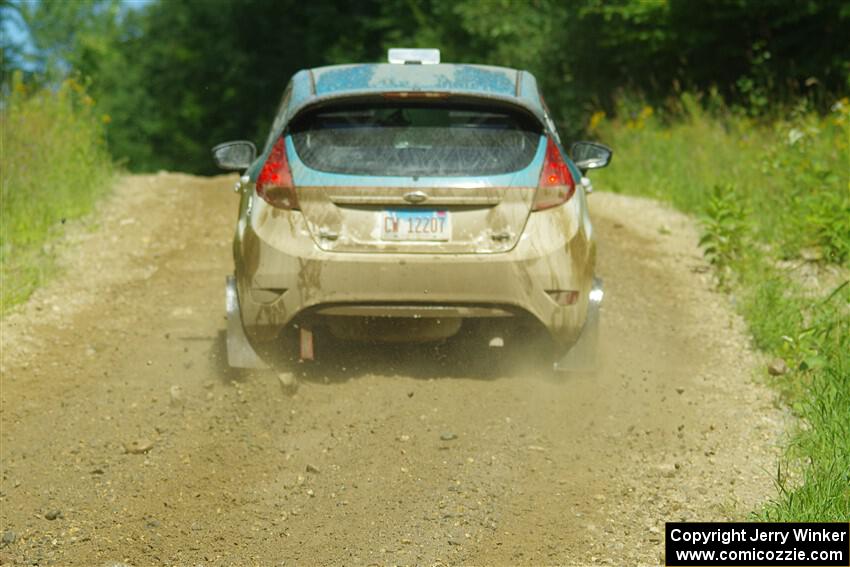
725, 228
178, 77
53, 166
774, 198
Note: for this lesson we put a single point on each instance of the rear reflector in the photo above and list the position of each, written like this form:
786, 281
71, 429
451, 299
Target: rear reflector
266, 295
274, 183
556, 185
563, 297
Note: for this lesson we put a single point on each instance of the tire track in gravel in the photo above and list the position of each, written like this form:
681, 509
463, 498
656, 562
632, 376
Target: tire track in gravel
384, 455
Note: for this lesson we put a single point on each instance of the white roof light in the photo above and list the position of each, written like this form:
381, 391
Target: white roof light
404, 56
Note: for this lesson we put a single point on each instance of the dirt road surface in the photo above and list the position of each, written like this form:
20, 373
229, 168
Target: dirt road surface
126, 439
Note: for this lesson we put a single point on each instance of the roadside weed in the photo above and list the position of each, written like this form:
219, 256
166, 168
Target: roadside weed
769, 196
724, 229
53, 166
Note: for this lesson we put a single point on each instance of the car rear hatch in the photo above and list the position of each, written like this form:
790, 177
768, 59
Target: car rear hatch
418, 175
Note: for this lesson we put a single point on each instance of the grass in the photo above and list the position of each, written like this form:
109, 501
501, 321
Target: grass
53, 166
774, 202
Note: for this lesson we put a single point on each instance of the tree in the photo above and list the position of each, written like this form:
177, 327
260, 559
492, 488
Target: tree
177, 77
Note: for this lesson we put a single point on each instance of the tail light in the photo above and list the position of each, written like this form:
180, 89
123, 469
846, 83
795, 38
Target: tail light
274, 183
556, 185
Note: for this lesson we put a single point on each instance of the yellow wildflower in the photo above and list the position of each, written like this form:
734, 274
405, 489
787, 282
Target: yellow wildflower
595, 120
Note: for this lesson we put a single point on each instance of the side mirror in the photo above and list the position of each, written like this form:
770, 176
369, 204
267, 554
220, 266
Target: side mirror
234, 155
590, 155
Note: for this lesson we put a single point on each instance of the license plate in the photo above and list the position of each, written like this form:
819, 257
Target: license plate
416, 224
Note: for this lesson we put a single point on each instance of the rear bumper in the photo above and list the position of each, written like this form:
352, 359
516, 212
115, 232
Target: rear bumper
284, 278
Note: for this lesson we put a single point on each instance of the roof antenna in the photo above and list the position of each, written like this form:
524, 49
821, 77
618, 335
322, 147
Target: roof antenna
406, 56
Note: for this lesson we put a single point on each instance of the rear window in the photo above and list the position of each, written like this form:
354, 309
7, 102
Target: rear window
416, 139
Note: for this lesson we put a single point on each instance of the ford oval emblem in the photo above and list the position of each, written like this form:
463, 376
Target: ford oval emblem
415, 197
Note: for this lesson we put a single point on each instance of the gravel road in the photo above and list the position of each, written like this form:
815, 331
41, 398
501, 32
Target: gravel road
126, 439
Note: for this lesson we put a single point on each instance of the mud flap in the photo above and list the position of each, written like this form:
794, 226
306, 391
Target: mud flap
240, 353
582, 355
